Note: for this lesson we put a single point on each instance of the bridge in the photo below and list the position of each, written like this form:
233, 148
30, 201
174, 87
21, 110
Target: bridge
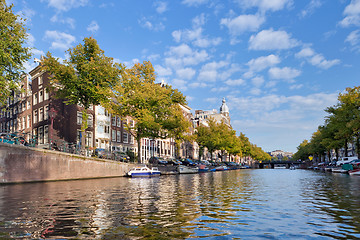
273, 164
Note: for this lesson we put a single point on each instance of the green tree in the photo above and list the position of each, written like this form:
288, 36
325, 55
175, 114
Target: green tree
13, 54
86, 78
152, 106
206, 136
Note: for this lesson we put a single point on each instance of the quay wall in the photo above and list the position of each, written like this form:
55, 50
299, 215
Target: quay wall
24, 164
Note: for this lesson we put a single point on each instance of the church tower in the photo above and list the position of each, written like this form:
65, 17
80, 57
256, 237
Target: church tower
224, 110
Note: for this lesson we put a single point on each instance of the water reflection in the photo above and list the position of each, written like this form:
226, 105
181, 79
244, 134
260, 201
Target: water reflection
278, 204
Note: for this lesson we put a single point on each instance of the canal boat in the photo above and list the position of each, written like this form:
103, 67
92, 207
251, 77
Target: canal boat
203, 168
144, 171
187, 169
339, 170
354, 172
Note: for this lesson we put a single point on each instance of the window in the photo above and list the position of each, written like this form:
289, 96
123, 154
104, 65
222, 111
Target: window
40, 80
35, 99
41, 96
89, 139
132, 123
28, 104
46, 94
23, 123
35, 116
107, 129
46, 112
90, 120
79, 118
118, 136
24, 106
46, 134
41, 114
41, 135
125, 137
118, 121
113, 121
125, 121
113, 135
28, 125
131, 139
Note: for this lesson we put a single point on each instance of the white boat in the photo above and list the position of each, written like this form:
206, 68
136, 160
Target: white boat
339, 170
355, 172
185, 169
143, 171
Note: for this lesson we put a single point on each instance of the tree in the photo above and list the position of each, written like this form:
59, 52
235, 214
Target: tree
206, 136
152, 106
13, 54
86, 78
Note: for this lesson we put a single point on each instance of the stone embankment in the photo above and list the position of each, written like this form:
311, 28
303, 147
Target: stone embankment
24, 164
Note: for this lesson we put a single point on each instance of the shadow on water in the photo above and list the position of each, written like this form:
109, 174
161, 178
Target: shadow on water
275, 204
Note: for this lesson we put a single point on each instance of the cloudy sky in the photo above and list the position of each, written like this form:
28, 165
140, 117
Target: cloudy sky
278, 63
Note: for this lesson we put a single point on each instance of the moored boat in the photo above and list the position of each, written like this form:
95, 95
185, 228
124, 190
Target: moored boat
339, 170
143, 171
354, 172
187, 169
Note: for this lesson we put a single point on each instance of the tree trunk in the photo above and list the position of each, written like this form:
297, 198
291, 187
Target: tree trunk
139, 149
358, 145
346, 148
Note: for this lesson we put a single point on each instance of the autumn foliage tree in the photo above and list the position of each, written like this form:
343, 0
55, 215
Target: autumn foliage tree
155, 108
13, 54
86, 78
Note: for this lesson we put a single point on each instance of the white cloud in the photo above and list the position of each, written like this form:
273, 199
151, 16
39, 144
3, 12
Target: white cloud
272, 40
60, 41
93, 27
283, 73
58, 19
209, 71
161, 7
266, 5
352, 14
310, 8
305, 52
179, 84
220, 89
194, 2
163, 71
243, 23
236, 82
198, 85
319, 61
353, 38
255, 91
258, 81
195, 35
147, 23
182, 55
66, 5
261, 63
316, 59
185, 73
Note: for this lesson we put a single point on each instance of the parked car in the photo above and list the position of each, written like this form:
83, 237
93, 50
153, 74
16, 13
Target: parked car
174, 162
158, 160
120, 156
187, 162
345, 160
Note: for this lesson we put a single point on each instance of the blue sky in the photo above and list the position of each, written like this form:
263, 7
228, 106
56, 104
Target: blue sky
278, 63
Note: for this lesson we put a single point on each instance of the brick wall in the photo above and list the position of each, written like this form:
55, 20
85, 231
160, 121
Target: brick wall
25, 164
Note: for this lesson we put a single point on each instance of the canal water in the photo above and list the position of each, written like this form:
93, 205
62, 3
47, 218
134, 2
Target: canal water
241, 204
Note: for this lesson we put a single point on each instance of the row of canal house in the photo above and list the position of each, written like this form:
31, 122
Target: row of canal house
36, 112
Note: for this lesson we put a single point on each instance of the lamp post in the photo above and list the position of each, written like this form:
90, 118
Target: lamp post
52, 114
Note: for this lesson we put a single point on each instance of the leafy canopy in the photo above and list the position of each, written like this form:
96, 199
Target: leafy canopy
86, 78
13, 54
